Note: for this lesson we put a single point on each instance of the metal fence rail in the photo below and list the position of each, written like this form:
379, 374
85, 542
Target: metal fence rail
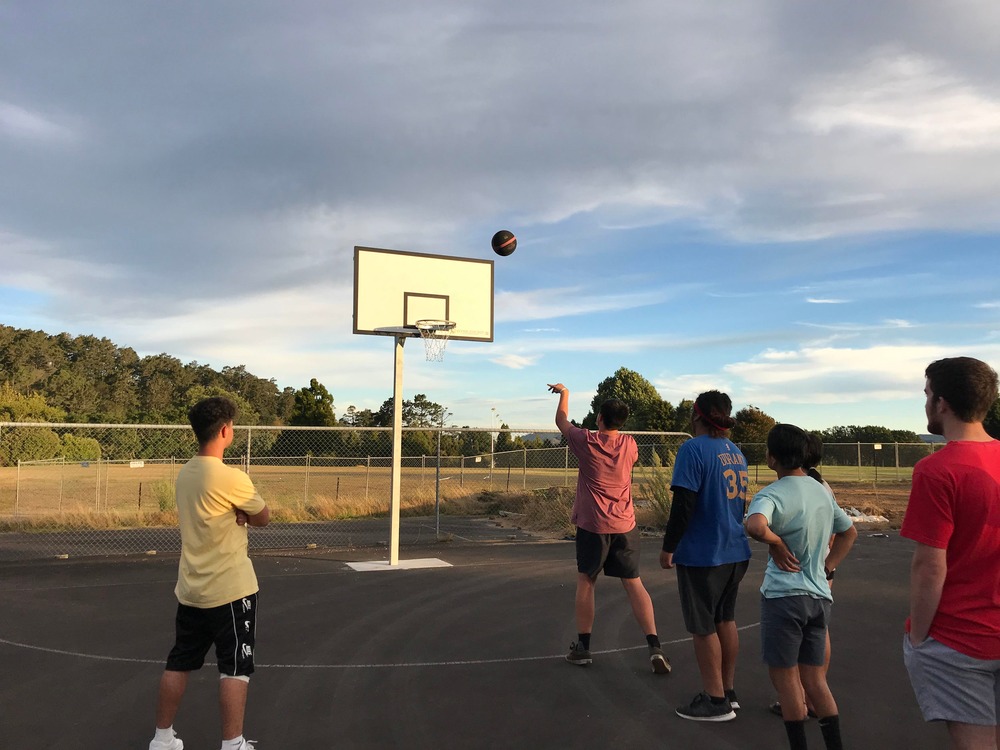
86, 489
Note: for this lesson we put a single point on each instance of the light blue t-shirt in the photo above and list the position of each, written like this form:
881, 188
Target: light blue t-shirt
716, 470
804, 514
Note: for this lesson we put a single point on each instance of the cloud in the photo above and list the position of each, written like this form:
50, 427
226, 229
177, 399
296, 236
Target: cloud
514, 361
818, 301
23, 124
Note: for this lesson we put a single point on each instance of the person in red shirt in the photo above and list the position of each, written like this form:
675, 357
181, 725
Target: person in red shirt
952, 646
606, 535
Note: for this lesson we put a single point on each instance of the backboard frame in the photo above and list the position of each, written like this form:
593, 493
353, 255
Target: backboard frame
394, 288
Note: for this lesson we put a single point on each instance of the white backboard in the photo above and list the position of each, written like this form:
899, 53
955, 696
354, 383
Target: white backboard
395, 289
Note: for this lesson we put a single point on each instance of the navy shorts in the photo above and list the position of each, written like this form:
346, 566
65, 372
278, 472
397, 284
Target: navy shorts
708, 594
616, 554
232, 628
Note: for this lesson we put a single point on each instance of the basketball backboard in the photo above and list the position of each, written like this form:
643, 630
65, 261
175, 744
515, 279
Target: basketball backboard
395, 289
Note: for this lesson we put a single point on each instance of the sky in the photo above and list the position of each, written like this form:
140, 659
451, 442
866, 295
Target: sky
792, 202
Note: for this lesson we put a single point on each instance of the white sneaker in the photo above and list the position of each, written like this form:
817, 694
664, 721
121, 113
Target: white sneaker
173, 744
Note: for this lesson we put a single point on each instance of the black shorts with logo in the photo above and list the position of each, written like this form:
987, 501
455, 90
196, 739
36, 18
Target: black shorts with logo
616, 554
231, 627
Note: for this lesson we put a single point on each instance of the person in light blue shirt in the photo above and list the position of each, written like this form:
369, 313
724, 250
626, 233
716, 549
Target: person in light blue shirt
795, 516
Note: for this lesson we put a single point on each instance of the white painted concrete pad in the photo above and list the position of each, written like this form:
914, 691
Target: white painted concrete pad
426, 562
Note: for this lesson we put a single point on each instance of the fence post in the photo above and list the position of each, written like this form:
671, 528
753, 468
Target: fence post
524, 468
62, 474
437, 491
17, 489
305, 490
249, 433
896, 446
566, 466
859, 461
368, 472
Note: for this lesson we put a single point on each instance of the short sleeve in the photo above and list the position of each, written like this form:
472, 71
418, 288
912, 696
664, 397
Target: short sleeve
929, 518
244, 496
763, 504
687, 468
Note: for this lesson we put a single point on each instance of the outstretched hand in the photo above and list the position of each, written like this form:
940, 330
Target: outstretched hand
556, 387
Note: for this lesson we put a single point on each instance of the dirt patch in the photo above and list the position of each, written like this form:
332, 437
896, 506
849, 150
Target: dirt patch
883, 499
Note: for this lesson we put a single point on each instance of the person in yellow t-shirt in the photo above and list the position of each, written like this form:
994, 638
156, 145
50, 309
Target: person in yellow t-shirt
216, 584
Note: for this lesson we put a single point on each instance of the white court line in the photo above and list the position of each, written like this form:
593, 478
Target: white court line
397, 665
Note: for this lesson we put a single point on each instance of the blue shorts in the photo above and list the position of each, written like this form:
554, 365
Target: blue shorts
951, 686
232, 628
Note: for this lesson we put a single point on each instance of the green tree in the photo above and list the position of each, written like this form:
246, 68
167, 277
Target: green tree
313, 406
992, 421
630, 387
750, 433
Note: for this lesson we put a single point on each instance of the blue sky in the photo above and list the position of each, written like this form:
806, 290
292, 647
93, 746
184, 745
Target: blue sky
795, 203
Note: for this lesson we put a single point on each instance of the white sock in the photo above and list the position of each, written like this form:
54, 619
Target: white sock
234, 744
164, 735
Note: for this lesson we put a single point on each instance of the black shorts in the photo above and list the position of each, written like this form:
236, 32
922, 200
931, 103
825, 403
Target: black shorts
616, 554
231, 627
708, 595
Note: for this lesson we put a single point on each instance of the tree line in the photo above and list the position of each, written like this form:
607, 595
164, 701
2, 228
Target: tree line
63, 378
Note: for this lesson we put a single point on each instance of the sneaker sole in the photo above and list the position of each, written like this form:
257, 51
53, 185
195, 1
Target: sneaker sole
721, 717
659, 665
580, 662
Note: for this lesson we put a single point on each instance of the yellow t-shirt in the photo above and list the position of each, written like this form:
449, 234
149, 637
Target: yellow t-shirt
215, 568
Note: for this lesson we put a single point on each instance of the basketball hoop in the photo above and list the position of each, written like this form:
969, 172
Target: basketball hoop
435, 334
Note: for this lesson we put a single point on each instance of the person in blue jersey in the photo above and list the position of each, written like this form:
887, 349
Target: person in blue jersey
796, 516
706, 542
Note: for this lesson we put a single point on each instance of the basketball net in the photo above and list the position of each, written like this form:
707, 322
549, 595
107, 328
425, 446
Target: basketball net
435, 334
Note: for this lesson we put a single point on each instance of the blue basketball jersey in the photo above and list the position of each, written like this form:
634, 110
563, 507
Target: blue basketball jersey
716, 470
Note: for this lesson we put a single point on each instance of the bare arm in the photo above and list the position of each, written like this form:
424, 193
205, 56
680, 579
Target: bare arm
258, 519
562, 411
927, 574
757, 527
840, 546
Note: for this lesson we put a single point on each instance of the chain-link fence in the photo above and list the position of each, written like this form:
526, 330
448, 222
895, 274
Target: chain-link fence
72, 489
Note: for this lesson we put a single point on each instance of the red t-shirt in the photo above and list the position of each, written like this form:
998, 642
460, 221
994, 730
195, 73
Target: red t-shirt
955, 505
603, 502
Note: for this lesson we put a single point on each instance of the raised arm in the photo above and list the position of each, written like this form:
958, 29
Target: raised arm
562, 411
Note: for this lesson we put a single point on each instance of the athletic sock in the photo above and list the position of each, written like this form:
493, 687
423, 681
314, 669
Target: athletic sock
718, 701
164, 735
234, 744
830, 727
584, 640
653, 641
796, 731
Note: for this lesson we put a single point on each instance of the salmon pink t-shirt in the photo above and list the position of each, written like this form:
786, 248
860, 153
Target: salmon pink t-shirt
603, 502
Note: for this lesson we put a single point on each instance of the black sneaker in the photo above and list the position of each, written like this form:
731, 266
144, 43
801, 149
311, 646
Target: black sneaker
733, 700
658, 661
578, 655
702, 709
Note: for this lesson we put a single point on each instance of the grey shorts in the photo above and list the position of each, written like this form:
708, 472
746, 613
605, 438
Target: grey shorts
951, 686
708, 595
793, 631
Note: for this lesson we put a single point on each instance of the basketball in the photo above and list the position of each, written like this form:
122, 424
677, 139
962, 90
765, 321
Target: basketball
504, 242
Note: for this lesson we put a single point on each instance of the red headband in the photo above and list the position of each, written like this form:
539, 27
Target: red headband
701, 414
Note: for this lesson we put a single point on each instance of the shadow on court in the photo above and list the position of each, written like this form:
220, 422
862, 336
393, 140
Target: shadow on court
468, 656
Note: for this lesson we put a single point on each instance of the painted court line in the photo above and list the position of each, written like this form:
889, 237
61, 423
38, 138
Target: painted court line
395, 665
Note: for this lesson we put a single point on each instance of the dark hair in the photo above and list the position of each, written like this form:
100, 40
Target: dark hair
614, 413
968, 385
814, 455
788, 445
714, 409
209, 415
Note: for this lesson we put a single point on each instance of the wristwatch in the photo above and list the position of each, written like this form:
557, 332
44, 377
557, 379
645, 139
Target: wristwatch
829, 572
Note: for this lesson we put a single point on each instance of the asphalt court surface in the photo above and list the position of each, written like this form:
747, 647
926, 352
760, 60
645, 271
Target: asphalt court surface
468, 656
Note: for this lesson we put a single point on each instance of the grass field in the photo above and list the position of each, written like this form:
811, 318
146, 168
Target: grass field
135, 494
